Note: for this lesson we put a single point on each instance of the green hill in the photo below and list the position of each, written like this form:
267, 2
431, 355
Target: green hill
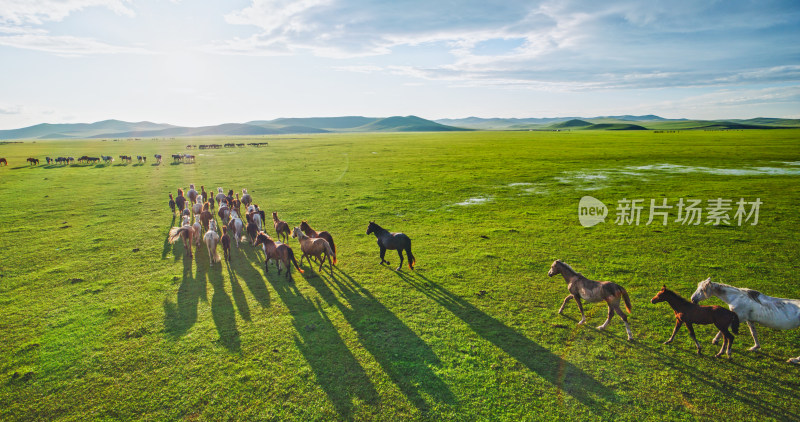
406, 124
574, 123
614, 126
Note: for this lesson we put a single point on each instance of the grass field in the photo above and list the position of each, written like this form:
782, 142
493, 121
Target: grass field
103, 319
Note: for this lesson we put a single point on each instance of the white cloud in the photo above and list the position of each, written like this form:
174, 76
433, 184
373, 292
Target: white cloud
66, 46
15, 109
21, 12
546, 44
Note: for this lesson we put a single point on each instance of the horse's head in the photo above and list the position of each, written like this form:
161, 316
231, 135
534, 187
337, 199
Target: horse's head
661, 295
703, 291
244, 191
296, 232
555, 268
219, 190
372, 227
304, 225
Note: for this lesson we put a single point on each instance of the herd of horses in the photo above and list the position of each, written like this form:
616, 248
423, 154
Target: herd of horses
746, 305
106, 159
199, 223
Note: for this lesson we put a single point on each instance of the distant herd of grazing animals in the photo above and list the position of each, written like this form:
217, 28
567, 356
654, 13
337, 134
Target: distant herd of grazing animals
746, 305
107, 159
228, 145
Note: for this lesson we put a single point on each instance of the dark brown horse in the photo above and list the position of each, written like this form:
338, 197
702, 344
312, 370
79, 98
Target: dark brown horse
394, 241
180, 201
279, 252
3, 162
323, 234
226, 244
33, 161
172, 203
689, 313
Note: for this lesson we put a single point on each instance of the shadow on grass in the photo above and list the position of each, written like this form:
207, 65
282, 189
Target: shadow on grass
181, 315
241, 265
167, 245
405, 357
559, 372
337, 371
750, 397
222, 310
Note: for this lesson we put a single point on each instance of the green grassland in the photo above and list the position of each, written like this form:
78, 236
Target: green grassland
103, 319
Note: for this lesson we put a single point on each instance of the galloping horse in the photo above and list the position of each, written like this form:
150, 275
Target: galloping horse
690, 313
752, 306
226, 243
172, 204
246, 198
211, 240
191, 194
281, 228
316, 247
394, 241
323, 234
592, 291
279, 252
235, 226
185, 232
180, 201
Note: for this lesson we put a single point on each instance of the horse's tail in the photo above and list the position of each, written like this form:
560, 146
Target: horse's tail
215, 257
294, 261
735, 324
411, 260
175, 233
626, 299
333, 248
330, 252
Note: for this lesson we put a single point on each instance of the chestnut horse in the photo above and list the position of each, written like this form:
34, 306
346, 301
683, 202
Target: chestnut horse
323, 234
3, 162
398, 241
281, 228
281, 253
316, 247
689, 313
591, 291
185, 232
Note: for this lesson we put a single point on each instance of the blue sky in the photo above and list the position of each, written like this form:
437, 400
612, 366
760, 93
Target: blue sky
201, 63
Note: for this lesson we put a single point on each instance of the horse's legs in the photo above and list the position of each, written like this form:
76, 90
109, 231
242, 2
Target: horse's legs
691, 334
752, 328
716, 338
678, 324
622, 315
383, 253
608, 319
321, 259
580, 307
400, 253
726, 343
566, 299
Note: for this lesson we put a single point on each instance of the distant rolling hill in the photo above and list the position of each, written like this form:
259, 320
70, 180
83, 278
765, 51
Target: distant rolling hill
120, 129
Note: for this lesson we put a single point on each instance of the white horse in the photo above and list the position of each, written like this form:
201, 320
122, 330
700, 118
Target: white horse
752, 306
198, 207
211, 240
246, 198
220, 196
235, 227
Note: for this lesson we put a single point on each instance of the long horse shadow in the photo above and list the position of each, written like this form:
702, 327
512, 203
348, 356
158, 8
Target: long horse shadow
222, 310
405, 357
337, 371
167, 245
238, 294
181, 315
241, 265
724, 387
559, 372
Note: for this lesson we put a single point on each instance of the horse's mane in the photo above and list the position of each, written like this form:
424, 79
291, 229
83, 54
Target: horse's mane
679, 297
570, 268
